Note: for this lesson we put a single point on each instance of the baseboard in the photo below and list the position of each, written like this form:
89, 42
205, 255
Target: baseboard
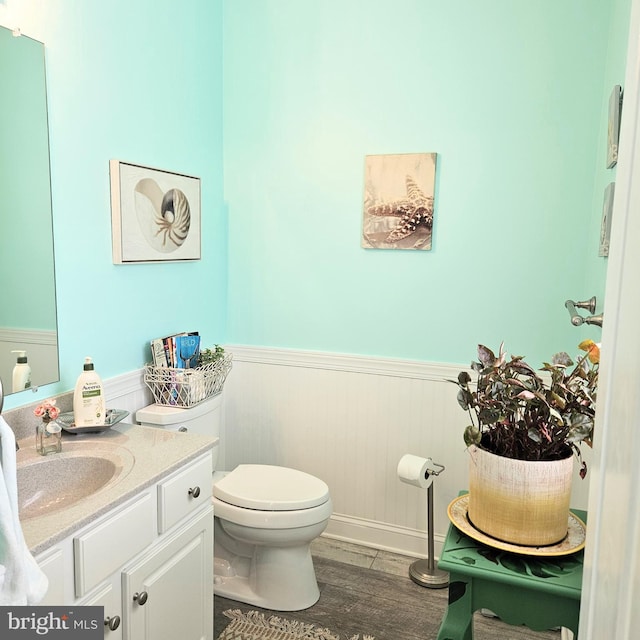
378, 535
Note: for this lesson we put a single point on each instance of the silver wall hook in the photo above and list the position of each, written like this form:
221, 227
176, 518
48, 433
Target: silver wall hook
590, 306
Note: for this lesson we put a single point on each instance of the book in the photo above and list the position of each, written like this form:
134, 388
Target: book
187, 350
179, 350
158, 354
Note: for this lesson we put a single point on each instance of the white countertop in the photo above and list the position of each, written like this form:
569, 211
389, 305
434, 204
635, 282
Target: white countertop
156, 453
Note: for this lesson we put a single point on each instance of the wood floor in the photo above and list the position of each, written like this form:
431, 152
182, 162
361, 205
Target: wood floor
364, 590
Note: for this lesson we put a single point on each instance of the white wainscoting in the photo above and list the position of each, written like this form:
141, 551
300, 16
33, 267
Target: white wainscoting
348, 420
128, 392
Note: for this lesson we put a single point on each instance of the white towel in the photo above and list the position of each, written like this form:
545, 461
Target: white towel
22, 582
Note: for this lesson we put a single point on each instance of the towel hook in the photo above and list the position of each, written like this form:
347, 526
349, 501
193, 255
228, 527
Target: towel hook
590, 306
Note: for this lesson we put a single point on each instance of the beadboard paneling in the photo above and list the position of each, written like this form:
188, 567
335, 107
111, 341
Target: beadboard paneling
349, 420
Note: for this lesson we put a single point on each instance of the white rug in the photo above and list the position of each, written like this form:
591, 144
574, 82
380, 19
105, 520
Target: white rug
253, 625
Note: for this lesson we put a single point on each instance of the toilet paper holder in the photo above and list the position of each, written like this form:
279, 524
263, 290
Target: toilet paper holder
434, 472
425, 572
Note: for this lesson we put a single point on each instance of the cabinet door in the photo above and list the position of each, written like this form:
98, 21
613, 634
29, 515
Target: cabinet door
109, 597
101, 549
52, 564
168, 593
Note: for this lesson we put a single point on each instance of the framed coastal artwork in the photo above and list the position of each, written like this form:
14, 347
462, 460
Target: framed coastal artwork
155, 214
605, 226
398, 201
613, 128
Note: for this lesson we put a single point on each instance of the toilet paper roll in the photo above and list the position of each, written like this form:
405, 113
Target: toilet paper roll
414, 470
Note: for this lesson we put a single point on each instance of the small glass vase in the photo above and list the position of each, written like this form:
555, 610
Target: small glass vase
48, 438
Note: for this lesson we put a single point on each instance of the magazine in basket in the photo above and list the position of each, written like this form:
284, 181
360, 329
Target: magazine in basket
183, 375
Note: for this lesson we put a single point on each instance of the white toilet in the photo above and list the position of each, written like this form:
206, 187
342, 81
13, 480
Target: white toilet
265, 518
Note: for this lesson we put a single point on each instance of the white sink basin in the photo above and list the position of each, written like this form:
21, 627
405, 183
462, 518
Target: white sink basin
50, 483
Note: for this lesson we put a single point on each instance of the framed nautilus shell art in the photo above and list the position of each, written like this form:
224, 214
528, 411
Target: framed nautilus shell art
155, 214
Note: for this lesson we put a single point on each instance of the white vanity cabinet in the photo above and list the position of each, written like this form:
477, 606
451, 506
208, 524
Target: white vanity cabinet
148, 561
168, 593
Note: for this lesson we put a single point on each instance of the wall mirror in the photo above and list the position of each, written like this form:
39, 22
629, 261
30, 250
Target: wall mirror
28, 297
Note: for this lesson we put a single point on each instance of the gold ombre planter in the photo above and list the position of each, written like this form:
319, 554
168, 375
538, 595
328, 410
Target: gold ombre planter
519, 501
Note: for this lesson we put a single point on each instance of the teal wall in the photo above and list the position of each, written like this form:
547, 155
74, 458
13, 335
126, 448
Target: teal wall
142, 82
510, 95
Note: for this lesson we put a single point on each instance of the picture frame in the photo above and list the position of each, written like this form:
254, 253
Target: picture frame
398, 203
155, 214
613, 128
605, 226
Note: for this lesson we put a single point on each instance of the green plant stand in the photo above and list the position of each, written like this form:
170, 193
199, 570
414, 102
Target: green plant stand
538, 592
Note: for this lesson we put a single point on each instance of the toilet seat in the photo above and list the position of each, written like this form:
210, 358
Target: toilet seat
271, 497
274, 520
271, 488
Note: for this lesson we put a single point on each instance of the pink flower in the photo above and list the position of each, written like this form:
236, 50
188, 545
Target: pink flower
47, 410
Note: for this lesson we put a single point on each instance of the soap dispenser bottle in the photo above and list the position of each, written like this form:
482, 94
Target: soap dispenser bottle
89, 408
21, 372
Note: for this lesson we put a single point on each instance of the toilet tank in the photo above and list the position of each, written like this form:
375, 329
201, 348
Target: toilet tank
205, 419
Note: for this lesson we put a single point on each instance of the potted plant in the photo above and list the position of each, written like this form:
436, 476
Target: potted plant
526, 427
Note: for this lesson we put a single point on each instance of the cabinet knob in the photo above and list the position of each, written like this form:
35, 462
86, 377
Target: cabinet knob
112, 623
194, 492
140, 598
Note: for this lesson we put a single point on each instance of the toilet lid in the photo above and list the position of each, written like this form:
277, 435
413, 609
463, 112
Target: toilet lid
270, 488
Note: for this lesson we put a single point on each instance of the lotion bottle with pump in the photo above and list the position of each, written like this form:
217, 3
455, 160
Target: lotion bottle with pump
89, 409
21, 372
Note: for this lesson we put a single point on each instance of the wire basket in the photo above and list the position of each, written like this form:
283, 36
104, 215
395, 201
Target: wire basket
187, 387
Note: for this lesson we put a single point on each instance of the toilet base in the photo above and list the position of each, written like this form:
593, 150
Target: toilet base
284, 581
